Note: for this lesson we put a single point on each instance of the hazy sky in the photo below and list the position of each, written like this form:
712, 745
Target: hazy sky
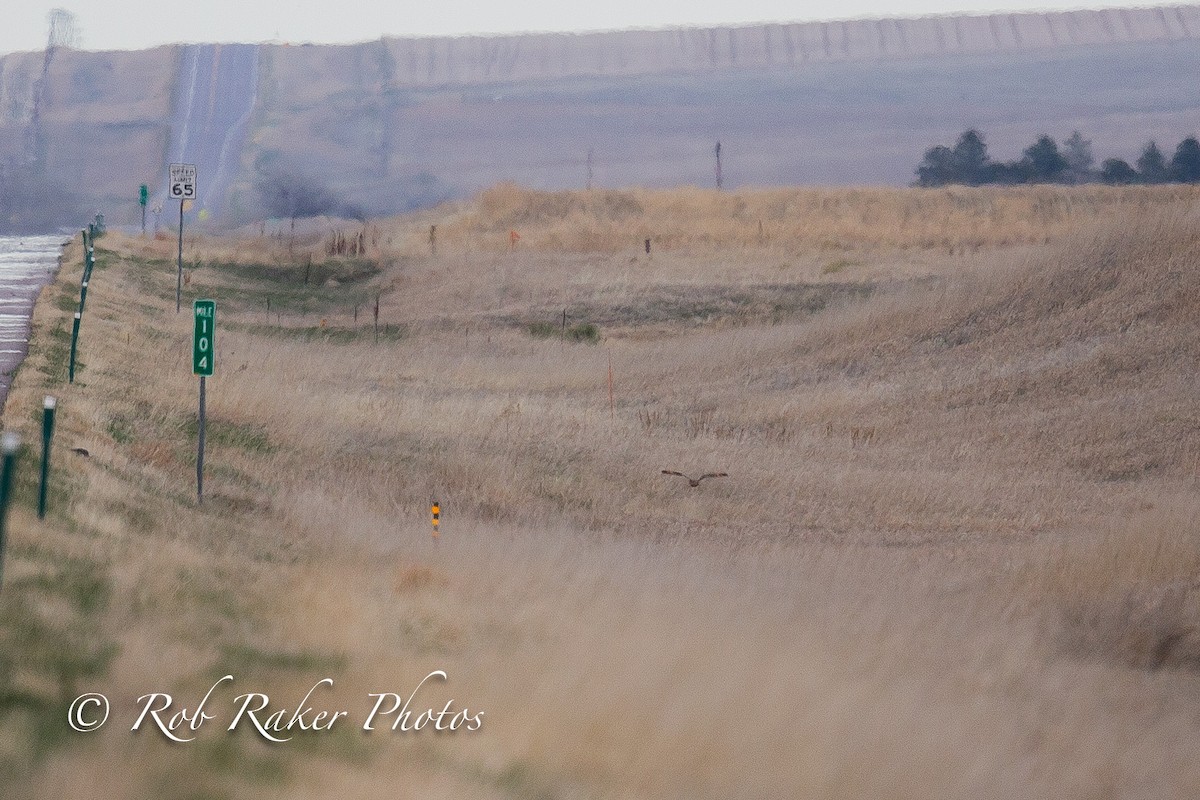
133, 24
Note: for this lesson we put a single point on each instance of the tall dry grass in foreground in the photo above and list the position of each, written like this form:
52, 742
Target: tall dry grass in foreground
990, 595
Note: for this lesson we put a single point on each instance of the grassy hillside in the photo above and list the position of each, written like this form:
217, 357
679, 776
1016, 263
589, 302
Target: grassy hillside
956, 553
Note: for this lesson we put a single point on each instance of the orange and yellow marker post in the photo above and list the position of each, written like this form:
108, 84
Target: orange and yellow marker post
436, 511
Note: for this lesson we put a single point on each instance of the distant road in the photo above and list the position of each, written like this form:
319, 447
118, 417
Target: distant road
26, 265
216, 91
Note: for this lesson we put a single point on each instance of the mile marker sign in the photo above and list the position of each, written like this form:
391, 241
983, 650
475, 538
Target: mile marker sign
203, 337
183, 181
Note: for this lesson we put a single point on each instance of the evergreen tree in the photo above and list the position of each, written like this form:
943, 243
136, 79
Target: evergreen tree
970, 159
1185, 164
1152, 166
1078, 154
937, 168
1043, 161
1117, 172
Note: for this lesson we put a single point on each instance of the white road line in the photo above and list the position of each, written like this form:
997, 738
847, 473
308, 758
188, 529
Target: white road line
235, 130
194, 51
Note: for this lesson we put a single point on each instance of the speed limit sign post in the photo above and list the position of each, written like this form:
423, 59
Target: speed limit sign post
204, 337
183, 188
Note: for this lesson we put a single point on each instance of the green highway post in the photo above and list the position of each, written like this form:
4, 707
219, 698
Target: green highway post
204, 334
89, 255
74, 343
143, 198
9, 444
47, 434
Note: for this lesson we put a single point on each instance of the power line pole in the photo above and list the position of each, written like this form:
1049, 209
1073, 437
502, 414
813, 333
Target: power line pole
589, 169
720, 181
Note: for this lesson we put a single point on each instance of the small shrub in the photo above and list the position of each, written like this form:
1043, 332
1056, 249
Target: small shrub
585, 332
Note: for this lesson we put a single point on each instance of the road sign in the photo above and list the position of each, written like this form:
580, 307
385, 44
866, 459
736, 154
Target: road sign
143, 195
204, 336
183, 181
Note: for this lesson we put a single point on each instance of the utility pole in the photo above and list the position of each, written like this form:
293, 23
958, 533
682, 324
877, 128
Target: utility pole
589, 169
720, 181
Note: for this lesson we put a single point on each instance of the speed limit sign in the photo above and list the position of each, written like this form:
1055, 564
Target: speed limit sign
183, 181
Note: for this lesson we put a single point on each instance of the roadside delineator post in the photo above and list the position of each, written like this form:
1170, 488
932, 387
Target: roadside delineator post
377, 318
9, 444
74, 344
143, 199
612, 409
48, 408
436, 511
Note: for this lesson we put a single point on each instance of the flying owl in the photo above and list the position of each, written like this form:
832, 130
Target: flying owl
696, 481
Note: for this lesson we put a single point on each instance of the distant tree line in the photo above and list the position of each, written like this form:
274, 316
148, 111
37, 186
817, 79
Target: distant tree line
967, 162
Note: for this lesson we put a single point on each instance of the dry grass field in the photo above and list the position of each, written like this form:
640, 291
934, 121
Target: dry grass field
956, 554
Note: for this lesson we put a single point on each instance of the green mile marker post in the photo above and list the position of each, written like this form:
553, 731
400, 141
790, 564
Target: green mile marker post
47, 433
204, 334
9, 444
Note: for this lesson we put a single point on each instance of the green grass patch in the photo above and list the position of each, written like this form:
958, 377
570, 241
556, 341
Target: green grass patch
62, 489
329, 335
343, 271
543, 330
121, 430
584, 332
240, 435
837, 265
54, 347
52, 643
67, 302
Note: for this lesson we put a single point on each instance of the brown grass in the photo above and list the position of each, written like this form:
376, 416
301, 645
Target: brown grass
992, 594
795, 220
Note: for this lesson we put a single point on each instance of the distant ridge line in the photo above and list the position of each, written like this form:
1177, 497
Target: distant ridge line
482, 58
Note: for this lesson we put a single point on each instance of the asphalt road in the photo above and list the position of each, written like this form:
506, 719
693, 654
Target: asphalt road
216, 94
26, 265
